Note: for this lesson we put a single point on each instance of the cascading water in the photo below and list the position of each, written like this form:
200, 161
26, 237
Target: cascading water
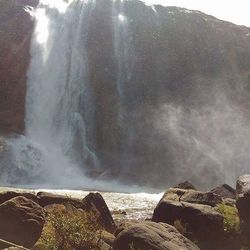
122, 45
123, 49
54, 149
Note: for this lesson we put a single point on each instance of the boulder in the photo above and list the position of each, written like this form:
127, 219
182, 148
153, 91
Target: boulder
7, 195
95, 203
45, 199
21, 221
185, 185
243, 200
153, 236
199, 220
225, 191
193, 196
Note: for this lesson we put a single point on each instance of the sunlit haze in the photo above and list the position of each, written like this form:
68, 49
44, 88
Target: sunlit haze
233, 11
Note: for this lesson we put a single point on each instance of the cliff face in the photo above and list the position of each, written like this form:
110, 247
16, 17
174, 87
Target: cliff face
15, 34
184, 93
169, 90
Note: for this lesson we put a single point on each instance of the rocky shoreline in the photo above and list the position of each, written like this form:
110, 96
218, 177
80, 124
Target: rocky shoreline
184, 218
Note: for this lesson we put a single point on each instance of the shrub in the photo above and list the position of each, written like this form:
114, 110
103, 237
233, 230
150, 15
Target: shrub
231, 217
70, 229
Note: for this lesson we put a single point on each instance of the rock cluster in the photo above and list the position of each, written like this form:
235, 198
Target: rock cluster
22, 216
183, 219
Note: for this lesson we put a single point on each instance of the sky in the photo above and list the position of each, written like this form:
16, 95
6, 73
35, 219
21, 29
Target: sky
236, 11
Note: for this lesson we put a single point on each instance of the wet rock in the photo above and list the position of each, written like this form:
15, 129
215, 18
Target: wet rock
21, 221
151, 235
185, 185
194, 210
225, 191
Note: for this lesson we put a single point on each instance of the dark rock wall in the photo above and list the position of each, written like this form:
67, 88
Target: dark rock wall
185, 59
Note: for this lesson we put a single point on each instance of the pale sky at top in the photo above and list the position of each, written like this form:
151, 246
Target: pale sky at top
236, 11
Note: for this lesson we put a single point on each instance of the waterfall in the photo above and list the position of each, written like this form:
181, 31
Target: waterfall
112, 94
54, 148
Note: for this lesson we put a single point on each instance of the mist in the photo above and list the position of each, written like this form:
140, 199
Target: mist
209, 142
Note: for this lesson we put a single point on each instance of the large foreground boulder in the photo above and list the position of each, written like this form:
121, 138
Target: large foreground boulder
193, 210
153, 236
21, 221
